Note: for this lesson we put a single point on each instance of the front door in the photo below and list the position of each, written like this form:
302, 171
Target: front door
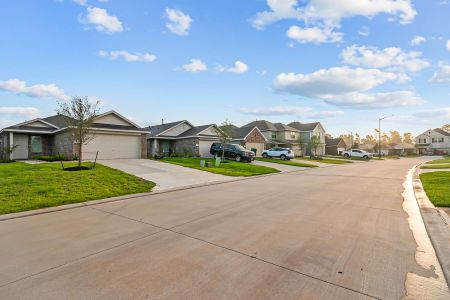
165, 146
21, 143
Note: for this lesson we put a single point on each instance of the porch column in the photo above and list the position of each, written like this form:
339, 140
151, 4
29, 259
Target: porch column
11, 144
155, 147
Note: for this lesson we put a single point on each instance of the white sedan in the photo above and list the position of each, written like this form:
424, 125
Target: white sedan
357, 153
282, 153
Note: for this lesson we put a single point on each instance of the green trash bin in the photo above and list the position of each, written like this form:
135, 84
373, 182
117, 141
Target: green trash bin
254, 150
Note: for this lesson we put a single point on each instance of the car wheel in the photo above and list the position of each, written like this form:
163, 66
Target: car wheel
346, 155
283, 157
265, 155
365, 157
238, 158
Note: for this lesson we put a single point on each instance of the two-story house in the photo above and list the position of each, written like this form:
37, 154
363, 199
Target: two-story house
278, 135
433, 140
307, 131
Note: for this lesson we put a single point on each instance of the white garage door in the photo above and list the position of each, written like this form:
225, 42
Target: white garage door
112, 146
258, 146
204, 147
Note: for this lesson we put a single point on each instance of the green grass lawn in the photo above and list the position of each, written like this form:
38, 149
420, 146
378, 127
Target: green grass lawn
229, 168
437, 187
435, 166
27, 187
446, 159
327, 160
286, 162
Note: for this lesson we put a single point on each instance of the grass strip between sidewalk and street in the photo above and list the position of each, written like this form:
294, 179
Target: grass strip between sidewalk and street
437, 186
286, 162
326, 160
228, 168
445, 166
26, 187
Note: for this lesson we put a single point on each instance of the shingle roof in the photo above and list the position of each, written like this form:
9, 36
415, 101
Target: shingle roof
304, 126
442, 131
283, 127
195, 131
262, 125
333, 142
240, 132
157, 129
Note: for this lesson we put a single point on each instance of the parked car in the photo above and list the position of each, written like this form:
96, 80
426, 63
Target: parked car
357, 153
232, 151
282, 153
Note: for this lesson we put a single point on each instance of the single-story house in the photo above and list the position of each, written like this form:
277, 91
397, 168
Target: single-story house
249, 137
182, 137
335, 146
401, 149
114, 137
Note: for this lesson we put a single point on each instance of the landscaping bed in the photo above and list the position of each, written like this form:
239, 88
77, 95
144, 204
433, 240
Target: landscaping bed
286, 162
26, 187
437, 186
229, 168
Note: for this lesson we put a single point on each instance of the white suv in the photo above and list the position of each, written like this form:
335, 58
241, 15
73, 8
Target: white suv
282, 153
357, 153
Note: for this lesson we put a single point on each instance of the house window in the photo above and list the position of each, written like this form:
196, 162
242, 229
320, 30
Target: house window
440, 140
293, 135
274, 135
36, 144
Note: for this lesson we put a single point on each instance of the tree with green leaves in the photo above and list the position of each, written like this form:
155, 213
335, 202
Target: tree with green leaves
315, 143
224, 133
302, 143
79, 115
446, 127
6, 151
408, 138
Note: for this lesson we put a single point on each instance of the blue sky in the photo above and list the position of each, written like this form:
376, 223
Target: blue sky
331, 61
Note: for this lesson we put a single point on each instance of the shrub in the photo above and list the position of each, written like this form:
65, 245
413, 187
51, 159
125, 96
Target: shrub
50, 158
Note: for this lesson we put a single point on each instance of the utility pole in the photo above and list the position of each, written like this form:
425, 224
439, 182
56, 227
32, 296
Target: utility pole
379, 134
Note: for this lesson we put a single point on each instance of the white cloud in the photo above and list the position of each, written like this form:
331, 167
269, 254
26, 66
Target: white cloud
298, 111
42, 91
29, 112
102, 21
448, 45
178, 22
81, 2
442, 74
239, 67
364, 31
417, 40
332, 11
443, 112
315, 35
195, 65
127, 56
392, 58
344, 86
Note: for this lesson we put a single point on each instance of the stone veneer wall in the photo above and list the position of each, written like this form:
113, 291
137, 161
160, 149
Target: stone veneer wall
144, 146
63, 144
190, 144
255, 137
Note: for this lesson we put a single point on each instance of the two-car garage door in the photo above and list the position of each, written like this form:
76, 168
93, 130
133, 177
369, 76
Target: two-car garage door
113, 146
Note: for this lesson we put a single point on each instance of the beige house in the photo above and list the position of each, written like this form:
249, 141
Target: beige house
433, 141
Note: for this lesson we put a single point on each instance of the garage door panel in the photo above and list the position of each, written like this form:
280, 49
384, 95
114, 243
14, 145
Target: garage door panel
112, 146
204, 147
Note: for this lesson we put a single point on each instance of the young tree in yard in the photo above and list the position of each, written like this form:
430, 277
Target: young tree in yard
302, 143
314, 142
5, 152
79, 115
224, 133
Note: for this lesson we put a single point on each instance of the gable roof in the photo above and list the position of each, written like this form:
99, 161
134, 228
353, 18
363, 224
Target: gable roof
158, 129
334, 142
304, 126
240, 133
283, 127
262, 125
59, 122
197, 130
442, 131
113, 112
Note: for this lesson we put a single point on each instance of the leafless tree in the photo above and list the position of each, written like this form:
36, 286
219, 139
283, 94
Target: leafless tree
79, 115
224, 133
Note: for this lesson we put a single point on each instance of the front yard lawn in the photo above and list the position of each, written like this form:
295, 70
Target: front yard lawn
327, 160
27, 187
286, 162
446, 159
433, 166
228, 168
437, 187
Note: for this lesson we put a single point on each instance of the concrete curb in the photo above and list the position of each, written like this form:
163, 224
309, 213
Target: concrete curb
437, 224
36, 212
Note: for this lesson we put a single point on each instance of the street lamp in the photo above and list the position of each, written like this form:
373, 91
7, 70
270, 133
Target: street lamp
379, 134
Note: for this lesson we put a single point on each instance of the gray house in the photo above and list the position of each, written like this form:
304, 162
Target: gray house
115, 137
307, 130
181, 137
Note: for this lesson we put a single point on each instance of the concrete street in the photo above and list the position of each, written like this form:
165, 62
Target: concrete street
327, 233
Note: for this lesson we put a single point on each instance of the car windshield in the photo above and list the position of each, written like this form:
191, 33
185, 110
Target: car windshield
239, 147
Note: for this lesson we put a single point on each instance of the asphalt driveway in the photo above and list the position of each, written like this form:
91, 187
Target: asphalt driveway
166, 176
324, 233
